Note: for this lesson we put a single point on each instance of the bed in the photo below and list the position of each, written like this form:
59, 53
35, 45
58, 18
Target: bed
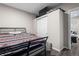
17, 42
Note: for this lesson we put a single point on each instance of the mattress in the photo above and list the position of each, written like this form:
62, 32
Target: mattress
9, 39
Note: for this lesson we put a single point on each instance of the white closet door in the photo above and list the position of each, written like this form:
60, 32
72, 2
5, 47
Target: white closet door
42, 26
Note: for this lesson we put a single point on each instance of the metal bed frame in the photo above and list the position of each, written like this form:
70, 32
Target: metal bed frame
29, 48
40, 43
25, 48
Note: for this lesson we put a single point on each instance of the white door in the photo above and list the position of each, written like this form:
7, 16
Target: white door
42, 26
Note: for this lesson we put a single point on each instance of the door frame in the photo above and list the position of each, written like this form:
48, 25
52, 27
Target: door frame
69, 24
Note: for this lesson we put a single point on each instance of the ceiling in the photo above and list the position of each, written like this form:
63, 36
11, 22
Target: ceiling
31, 7
75, 13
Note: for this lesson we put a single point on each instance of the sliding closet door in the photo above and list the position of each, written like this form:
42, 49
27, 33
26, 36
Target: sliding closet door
42, 26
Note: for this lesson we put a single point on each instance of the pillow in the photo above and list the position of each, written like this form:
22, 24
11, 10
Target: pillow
16, 32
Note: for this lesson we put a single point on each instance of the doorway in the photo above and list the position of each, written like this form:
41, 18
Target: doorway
74, 30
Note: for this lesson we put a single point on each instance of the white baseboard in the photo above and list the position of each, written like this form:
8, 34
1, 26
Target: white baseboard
58, 50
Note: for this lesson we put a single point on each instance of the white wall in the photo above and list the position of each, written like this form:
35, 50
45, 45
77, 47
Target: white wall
35, 26
11, 17
66, 28
75, 24
61, 29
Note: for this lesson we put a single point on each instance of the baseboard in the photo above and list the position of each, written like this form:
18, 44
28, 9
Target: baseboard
56, 49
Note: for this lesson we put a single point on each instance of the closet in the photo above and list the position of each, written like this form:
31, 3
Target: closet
55, 26
42, 26
58, 29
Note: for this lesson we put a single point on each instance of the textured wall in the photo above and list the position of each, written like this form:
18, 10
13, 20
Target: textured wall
11, 17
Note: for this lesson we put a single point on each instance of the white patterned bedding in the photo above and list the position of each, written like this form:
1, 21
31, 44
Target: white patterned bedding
8, 39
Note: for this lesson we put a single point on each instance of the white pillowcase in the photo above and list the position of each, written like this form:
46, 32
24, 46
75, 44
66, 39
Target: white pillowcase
16, 32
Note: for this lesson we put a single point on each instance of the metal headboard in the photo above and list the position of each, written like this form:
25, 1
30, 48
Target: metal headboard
11, 29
